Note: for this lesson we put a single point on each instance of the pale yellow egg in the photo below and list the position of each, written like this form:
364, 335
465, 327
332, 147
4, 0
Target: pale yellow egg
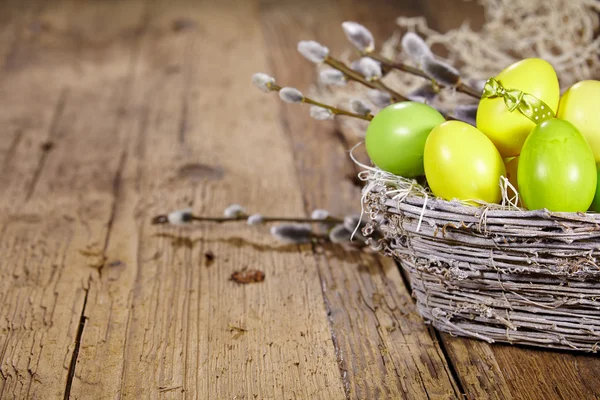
462, 163
580, 105
508, 130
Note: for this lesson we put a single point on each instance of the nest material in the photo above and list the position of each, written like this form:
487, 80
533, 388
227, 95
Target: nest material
499, 275
562, 32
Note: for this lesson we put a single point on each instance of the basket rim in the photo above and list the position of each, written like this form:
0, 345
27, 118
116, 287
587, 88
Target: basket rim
488, 210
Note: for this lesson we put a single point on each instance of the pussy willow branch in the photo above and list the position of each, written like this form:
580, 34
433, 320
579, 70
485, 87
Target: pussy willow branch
355, 76
163, 219
336, 111
460, 87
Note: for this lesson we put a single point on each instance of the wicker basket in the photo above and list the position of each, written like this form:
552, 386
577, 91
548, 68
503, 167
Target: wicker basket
526, 277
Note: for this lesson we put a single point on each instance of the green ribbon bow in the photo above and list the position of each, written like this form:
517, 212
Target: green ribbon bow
530, 106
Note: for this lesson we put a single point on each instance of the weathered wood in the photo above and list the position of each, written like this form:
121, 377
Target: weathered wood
162, 321
114, 111
384, 349
56, 190
15, 24
505, 372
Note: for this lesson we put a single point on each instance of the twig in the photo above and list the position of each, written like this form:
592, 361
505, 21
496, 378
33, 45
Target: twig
334, 110
460, 87
338, 111
163, 219
396, 65
355, 76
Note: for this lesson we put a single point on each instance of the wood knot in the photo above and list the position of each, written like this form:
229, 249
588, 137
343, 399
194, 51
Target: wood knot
198, 172
184, 24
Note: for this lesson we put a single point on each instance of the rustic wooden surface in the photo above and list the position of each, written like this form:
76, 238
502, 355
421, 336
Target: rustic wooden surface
112, 112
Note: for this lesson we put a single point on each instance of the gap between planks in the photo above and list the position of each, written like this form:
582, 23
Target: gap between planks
343, 142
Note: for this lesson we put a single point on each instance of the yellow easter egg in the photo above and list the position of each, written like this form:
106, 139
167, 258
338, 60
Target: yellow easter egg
462, 163
508, 130
580, 105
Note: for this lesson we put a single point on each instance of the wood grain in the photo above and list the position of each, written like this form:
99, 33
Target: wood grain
506, 372
56, 193
384, 349
112, 112
164, 323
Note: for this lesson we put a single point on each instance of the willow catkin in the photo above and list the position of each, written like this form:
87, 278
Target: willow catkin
564, 32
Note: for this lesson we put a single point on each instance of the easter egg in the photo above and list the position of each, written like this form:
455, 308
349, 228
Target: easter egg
557, 170
580, 105
462, 163
596, 202
508, 130
396, 137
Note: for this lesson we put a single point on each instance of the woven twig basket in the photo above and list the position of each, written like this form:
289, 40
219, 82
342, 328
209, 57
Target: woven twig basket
526, 277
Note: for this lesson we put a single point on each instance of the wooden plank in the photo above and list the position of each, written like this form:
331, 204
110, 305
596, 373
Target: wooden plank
505, 372
161, 321
57, 188
30, 260
30, 105
15, 24
384, 349
140, 130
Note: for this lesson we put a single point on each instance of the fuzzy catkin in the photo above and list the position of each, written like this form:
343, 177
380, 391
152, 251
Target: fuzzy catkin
339, 234
291, 95
320, 113
501, 41
360, 107
359, 36
319, 213
313, 51
234, 211
292, 233
330, 76
263, 81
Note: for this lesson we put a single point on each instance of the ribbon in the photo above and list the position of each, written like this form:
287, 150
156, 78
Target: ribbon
530, 106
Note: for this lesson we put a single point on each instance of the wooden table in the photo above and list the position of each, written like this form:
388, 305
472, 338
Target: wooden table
114, 111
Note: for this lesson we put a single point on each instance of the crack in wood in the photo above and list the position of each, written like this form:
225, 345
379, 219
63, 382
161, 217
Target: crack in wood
437, 337
12, 148
337, 348
75, 355
382, 341
451, 369
132, 294
286, 128
116, 192
183, 123
52, 131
